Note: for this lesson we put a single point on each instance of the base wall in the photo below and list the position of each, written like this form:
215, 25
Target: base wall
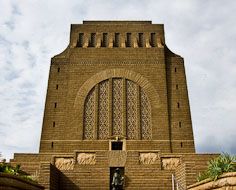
84, 169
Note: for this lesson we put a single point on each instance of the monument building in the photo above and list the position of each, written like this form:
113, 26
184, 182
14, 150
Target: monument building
117, 105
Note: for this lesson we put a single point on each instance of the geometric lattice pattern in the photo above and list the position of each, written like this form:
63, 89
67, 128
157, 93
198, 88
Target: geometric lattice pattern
146, 128
132, 110
89, 115
103, 113
110, 114
117, 106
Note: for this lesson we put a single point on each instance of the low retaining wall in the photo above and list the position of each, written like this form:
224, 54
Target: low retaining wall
225, 181
12, 182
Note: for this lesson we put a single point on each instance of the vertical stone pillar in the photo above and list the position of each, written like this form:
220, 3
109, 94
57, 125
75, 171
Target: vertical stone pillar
86, 40
110, 40
147, 40
122, 40
98, 40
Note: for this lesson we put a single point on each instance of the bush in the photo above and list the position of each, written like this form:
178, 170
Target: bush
216, 167
8, 169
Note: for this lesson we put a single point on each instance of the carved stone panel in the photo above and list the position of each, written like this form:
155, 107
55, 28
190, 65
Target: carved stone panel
146, 127
132, 111
64, 163
148, 158
170, 163
89, 115
117, 106
103, 110
86, 158
114, 104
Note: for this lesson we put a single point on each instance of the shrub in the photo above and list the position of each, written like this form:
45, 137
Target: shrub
216, 167
8, 169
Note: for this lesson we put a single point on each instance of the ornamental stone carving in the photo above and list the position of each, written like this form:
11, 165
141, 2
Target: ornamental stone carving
117, 106
103, 109
86, 158
89, 115
148, 158
170, 163
132, 110
146, 128
64, 163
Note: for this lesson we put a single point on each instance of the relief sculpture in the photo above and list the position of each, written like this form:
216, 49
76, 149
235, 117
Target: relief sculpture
148, 158
86, 158
64, 163
170, 163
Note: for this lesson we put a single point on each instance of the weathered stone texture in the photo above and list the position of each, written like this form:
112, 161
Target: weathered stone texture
225, 181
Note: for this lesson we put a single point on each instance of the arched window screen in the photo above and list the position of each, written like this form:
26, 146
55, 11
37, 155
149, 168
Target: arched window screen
117, 107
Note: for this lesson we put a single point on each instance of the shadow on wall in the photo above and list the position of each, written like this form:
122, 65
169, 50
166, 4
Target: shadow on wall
66, 183
126, 182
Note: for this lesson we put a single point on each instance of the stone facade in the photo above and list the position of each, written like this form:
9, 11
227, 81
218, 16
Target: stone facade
117, 97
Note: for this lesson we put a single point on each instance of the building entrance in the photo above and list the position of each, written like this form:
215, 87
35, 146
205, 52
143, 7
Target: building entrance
117, 178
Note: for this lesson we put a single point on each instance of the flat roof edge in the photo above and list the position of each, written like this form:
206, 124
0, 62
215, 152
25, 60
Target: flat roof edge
116, 22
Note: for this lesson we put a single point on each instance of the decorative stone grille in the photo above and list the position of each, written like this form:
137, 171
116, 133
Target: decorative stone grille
89, 115
117, 107
146, 129
132, 110
103, 116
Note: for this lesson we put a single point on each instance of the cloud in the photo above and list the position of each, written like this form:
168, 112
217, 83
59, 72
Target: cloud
203, 32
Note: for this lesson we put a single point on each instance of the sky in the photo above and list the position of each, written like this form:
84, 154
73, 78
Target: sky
201, 31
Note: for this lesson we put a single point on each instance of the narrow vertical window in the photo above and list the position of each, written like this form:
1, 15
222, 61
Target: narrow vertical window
80, 41
178, 105
57, 86
54, 124
181, 144
55, 105
51, 144
180, 124
140, 40
175, 69
58, 69
104, 40
153, 40
176, 86
92, 40
117, 40
128, 40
